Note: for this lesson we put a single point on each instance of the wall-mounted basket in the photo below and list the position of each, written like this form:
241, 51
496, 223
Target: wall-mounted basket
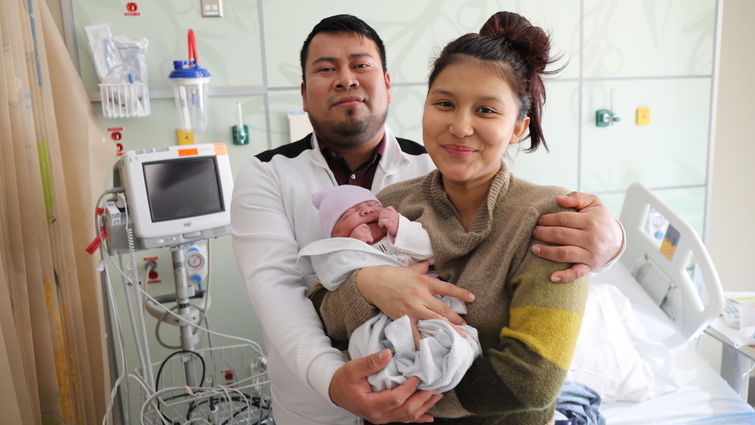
124, 100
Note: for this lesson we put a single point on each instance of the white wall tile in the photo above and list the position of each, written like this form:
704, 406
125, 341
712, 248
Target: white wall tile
688, 203
671, 151
405, 112
561, 127
642, 38
413, 37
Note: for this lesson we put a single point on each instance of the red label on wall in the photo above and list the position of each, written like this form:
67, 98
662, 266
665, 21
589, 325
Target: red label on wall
132, 8
116, 134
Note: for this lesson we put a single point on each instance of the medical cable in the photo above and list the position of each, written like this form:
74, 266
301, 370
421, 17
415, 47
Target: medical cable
116, 321
194, 392
124, 361
160, 371
140, 347
134, 282
120, 340
139, 301
254, 344
249, 402
165, 361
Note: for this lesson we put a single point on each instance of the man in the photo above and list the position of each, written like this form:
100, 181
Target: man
346, 91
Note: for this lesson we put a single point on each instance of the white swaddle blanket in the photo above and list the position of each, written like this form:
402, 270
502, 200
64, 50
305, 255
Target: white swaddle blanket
441, 361
443, 356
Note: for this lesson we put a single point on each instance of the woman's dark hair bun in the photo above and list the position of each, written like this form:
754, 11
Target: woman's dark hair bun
530, 41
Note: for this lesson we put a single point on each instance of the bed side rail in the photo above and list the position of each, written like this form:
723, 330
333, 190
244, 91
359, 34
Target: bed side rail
661, 263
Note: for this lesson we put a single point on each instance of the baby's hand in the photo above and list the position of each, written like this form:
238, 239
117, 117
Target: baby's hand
363, 233
388, 220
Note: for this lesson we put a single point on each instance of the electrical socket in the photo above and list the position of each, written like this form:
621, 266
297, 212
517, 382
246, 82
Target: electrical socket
212, 8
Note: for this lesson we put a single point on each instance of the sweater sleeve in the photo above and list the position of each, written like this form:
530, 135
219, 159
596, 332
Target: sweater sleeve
413, 240
344, 309
526, 370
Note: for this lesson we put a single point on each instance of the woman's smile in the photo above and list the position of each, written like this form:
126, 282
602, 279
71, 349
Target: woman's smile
459, 151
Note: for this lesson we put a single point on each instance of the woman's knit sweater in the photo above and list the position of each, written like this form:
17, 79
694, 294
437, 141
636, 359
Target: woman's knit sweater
527, 325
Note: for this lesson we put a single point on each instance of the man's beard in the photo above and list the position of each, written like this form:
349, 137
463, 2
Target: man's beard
349, 132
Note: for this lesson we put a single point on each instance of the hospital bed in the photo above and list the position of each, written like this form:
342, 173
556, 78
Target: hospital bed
673, 301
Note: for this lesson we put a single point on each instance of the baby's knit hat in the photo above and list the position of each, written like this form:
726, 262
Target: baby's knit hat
332, 202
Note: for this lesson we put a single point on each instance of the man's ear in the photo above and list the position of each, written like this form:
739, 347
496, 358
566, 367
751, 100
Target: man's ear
304, 97
388, 86
520, 128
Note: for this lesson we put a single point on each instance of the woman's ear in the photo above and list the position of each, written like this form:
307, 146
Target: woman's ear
520, 128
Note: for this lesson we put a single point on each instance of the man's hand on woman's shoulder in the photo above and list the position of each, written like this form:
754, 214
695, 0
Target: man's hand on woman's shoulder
588, 238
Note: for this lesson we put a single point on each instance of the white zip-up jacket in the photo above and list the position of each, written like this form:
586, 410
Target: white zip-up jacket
272, 218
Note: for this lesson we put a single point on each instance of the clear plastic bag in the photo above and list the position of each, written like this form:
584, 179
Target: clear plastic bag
120, 64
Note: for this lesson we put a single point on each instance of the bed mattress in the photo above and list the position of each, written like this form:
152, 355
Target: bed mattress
703, 396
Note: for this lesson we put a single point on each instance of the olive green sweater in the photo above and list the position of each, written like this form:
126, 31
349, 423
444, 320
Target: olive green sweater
527, 325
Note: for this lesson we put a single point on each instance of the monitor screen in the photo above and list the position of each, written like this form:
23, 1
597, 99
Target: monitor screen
181, 188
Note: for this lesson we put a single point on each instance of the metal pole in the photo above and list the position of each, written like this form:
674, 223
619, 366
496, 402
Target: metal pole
184, 310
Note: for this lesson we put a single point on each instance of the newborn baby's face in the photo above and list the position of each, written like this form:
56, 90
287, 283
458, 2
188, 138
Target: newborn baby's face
360, 222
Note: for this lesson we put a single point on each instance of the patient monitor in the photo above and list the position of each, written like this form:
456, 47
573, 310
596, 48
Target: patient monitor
175, 194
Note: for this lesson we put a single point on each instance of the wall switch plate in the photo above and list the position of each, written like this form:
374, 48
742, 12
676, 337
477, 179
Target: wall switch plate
643, 116
212, 8
605, 118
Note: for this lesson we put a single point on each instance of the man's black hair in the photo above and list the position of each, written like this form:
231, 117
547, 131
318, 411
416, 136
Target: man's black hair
342, 24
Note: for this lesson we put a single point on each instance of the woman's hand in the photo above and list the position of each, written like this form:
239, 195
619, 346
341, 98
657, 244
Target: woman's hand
399, 291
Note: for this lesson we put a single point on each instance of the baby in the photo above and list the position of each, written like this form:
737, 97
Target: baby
363, 233
353, 212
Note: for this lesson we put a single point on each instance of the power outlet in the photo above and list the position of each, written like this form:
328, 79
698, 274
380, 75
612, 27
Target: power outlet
642, 116
212, 8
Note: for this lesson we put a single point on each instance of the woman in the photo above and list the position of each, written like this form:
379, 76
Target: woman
485, 91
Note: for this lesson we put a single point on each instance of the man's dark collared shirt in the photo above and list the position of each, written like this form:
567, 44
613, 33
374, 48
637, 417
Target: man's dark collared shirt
362, 175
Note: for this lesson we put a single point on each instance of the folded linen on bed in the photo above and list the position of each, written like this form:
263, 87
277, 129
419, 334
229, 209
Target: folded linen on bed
614, 356
580, 404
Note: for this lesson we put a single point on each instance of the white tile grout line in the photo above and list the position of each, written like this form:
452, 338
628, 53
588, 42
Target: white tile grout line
263, 54
712, 116
579, 92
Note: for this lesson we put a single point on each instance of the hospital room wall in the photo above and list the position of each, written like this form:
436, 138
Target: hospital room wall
617, 54
731, 223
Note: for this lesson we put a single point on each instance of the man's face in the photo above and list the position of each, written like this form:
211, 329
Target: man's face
346, 93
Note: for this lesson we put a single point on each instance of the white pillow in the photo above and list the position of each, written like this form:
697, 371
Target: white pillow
606, 357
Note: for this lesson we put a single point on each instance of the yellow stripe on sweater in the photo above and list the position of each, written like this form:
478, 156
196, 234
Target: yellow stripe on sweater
549, 332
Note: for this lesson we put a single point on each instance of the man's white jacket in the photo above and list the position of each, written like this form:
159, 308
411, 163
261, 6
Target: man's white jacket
272, 218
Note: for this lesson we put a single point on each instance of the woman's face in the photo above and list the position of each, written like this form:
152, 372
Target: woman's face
470, 118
